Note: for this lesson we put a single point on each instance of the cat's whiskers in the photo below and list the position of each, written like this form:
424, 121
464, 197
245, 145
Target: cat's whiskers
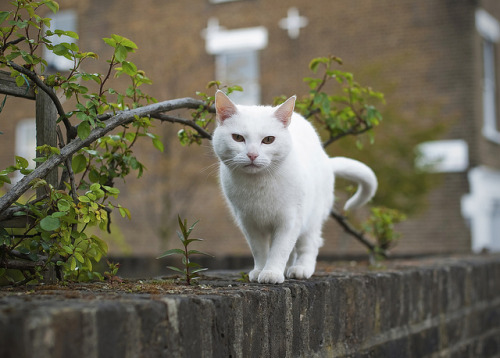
211, 169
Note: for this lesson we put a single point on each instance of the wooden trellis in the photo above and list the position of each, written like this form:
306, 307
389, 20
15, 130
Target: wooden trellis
46, 117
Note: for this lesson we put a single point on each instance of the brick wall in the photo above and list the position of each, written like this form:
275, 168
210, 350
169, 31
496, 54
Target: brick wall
442, 307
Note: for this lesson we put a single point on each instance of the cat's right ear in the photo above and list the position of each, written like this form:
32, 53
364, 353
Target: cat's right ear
224, 108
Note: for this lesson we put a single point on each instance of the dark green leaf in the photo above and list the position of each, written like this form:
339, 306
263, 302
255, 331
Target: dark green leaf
79, 163
199, 270
53, 6
83, 130
4, 15
196, 252
173, 268
171, 252
24, 250
50, 223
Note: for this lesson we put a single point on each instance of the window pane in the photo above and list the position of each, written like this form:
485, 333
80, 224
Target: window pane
240, 68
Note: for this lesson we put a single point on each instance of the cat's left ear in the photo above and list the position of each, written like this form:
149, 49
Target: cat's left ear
224, 108
284, 111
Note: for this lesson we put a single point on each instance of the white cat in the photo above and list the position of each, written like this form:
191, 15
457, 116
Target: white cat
278, 182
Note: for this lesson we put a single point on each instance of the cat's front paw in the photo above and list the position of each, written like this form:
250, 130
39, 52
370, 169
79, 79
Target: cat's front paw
268, 276
253, 275
299, 272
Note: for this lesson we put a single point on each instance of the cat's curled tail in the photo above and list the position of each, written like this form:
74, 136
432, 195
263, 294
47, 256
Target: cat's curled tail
359, 173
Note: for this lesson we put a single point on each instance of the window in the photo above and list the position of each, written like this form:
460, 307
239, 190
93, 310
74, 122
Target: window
482, 208
443, 156
237, 58
240, 68
25, 143
63, 20
489, 29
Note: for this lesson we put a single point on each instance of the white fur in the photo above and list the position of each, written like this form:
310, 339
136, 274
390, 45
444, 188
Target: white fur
280, 199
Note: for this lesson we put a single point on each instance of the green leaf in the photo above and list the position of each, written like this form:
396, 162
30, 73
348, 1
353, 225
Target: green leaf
50, 223
59, 214
109, 41
173, 268
196, 252
195, 271
84, 199
120, 53
23, 250
53, 6
124, 212
171, 252
95, 187
79, 163
79, 257
73, 263
124, 41
63, 205
21, 162
129, 68
111, 190
71, 34
83, 130
20, 81
158, 144
4, 16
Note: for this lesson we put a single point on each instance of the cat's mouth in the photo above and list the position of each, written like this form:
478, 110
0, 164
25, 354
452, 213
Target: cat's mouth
253, 167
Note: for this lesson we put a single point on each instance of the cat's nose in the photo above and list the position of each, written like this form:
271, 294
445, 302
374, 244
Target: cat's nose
252, 156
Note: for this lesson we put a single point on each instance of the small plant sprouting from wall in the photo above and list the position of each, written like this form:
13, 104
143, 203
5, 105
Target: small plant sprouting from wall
190, 270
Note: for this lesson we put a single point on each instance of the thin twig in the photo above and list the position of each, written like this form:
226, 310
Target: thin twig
342, 220
68, 167
344, 134
70, 130
172, 119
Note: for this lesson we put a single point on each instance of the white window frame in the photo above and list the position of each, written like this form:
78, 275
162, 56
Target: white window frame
489, 29
221, 42
443, 156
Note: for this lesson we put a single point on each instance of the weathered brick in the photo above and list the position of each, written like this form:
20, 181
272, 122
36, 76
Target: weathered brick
362, 314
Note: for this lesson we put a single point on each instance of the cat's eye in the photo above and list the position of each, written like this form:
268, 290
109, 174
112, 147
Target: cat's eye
268, 139
238, 138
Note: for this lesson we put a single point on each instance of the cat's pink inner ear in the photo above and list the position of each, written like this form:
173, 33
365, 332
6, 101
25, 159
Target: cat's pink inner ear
224, 108
284, 111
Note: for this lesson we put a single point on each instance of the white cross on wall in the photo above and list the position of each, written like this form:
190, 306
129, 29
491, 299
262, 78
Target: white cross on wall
293, 22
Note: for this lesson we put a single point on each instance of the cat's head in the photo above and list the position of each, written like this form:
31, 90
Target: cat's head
252, 139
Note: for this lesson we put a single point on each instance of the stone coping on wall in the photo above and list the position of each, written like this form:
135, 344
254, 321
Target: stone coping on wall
436, 307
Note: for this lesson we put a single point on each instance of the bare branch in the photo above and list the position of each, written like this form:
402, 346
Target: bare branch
351, 131
342, 220
172, 119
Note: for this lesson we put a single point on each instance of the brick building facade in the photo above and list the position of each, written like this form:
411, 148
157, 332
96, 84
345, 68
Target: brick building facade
440, 53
